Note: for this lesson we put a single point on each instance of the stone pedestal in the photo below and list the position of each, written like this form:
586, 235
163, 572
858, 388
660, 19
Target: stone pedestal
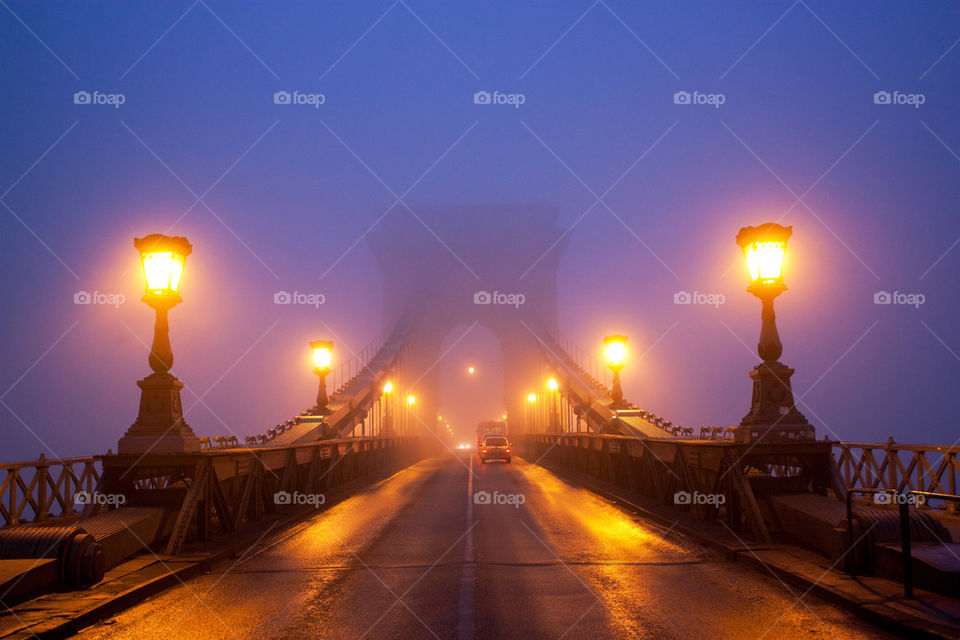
772, 414
160, 427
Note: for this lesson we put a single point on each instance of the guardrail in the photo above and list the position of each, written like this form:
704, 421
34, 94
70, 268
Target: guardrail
905, 532
45, 490
899, 467
224, 488
904, 502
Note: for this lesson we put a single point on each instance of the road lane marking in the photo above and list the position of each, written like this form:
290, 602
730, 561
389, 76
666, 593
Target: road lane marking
468, 575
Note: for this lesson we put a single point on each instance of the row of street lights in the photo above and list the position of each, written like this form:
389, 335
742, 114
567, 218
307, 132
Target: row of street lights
764, 248
160, 427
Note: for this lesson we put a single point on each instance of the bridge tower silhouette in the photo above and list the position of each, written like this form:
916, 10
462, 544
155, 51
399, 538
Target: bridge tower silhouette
435, 274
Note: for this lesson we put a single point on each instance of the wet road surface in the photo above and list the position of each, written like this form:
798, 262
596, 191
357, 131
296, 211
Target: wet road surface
450, 548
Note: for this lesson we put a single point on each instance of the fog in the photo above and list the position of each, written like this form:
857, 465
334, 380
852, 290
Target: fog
597, 199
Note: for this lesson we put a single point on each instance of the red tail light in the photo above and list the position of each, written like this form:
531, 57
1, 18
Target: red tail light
508, 449
484, 451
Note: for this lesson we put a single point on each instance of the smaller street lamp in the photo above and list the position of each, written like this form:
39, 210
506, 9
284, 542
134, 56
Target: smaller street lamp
322, 357
552, 385
471, 370
411, 400
615, 350
387, 412
764, 250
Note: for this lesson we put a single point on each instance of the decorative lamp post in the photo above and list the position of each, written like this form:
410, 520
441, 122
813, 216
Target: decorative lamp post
160, 427
553, 386
532, 413
322, 357
387, 427
615, 350
764, 249
408, 423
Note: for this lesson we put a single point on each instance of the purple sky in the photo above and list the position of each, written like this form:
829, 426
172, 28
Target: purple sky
649, 192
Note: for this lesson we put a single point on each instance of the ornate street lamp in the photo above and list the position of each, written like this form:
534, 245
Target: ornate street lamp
553, 386
160, 427
530, 417
387, 426
322, 357
615, 350
764, 249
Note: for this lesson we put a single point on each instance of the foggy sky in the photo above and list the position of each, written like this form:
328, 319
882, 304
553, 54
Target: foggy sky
278, 197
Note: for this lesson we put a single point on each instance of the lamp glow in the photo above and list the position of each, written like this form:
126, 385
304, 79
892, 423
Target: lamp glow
163, 259
322, 354
411, 400
764, 249
552, 384
471, 370
532, 398
615, 350
388, 387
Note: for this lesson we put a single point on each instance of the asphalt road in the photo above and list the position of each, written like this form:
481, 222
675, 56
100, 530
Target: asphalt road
418, 556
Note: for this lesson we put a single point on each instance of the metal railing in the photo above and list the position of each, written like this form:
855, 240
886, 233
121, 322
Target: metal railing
899, 467
904, 502
45, 490
346, 371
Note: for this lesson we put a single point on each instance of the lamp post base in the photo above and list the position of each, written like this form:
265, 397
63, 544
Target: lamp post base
160, 427
773, 415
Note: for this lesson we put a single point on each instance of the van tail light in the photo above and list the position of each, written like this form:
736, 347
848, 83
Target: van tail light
484, 451
508, 449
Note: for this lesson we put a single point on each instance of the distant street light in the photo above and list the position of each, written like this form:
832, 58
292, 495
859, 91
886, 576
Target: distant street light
388, 387
530, 415
552, 385
764, 249
411, 400
322, 357
615, 349
471, 370
160, 427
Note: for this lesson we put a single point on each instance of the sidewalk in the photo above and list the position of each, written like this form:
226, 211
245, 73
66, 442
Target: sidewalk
62, 614
878, 600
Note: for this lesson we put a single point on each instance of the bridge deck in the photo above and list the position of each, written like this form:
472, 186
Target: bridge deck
565, 562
